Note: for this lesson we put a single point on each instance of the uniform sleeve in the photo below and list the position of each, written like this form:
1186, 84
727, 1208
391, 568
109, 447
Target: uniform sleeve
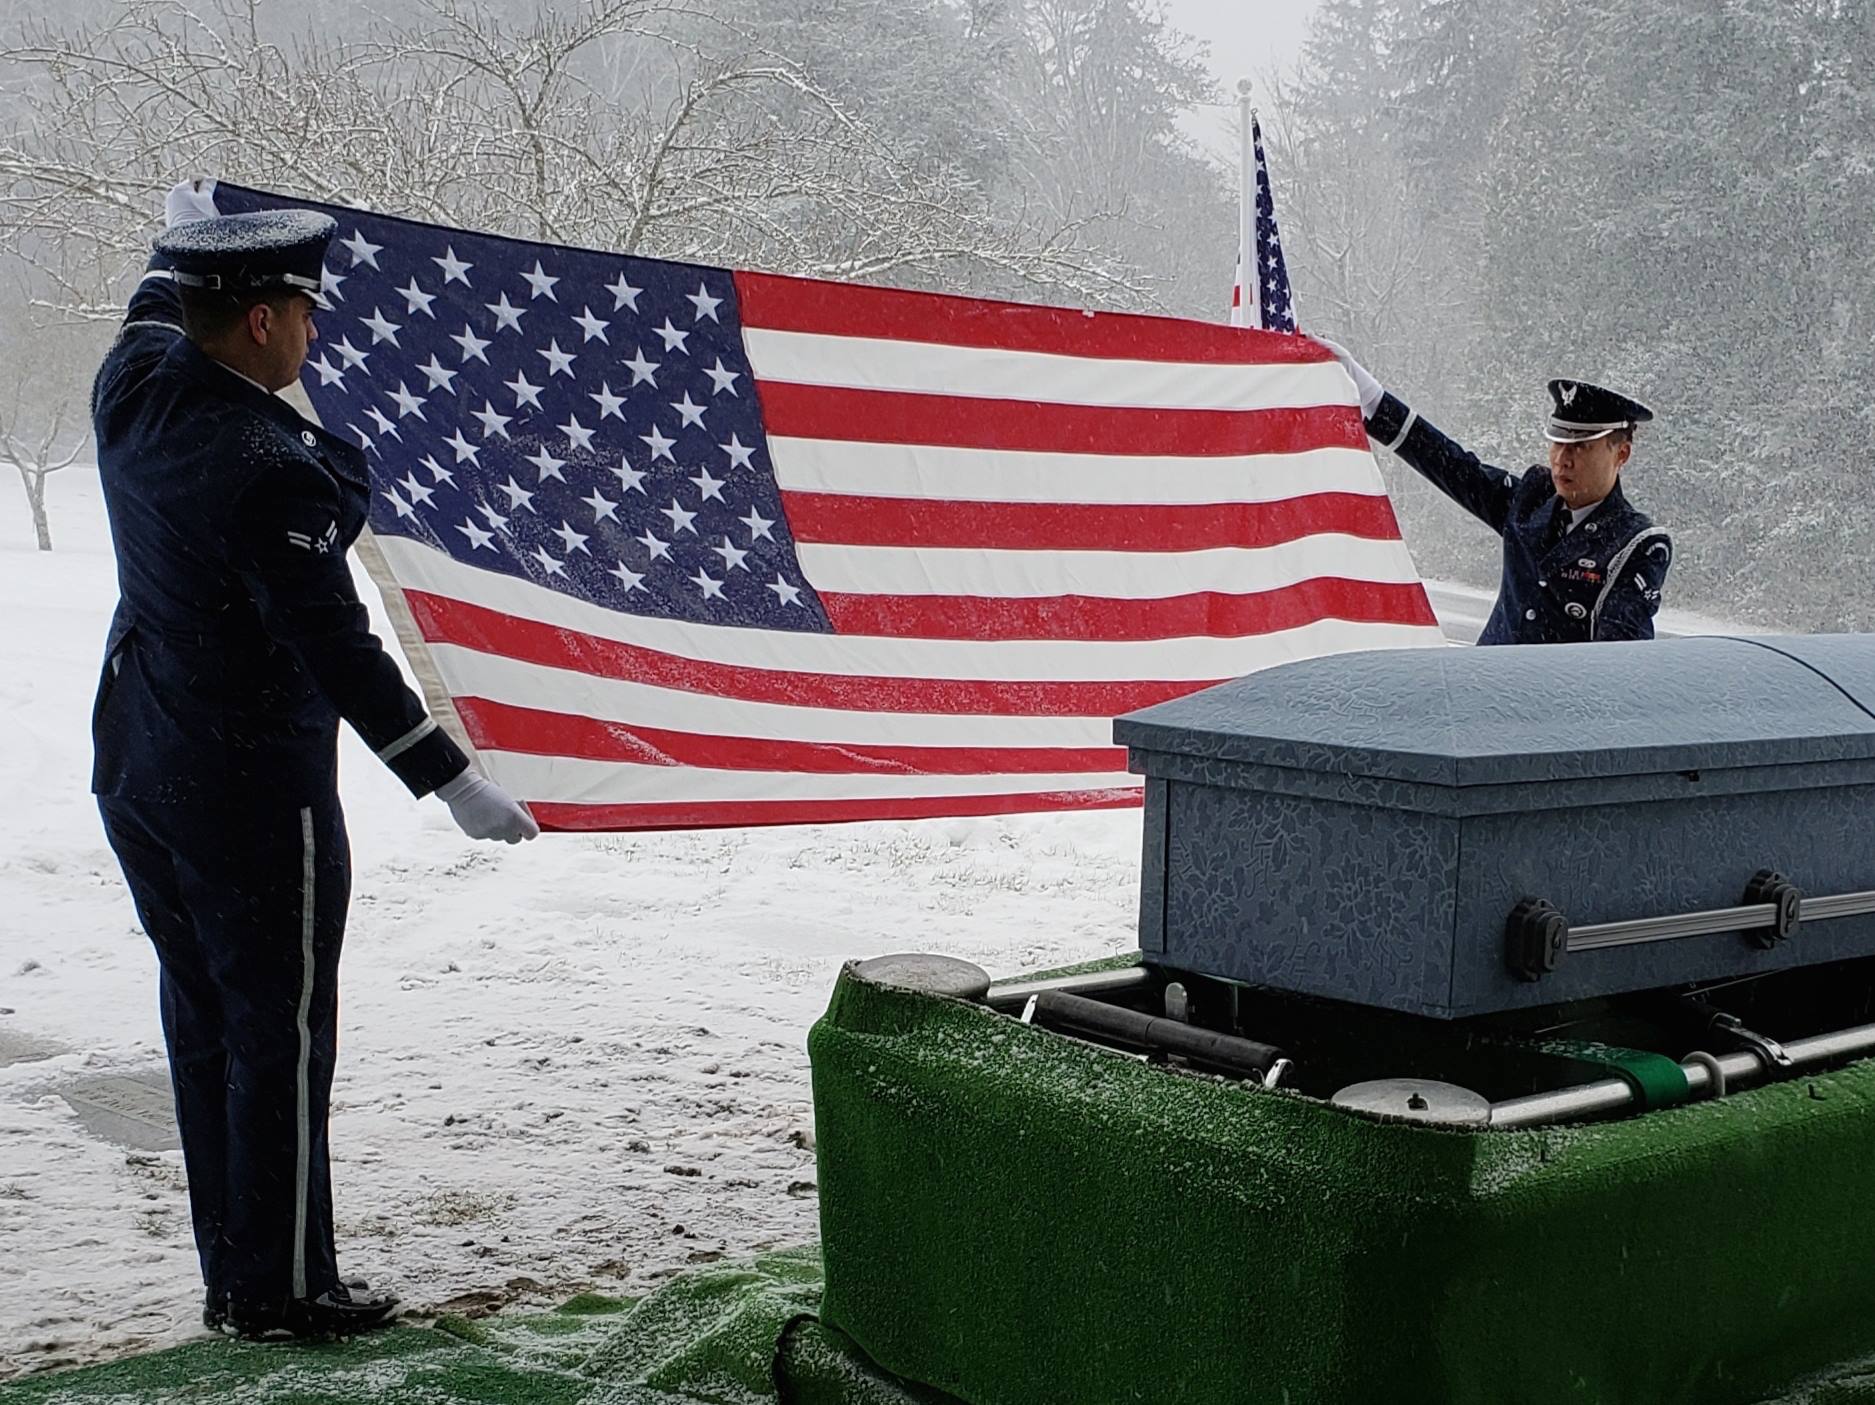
289, 554
1626, 610
1482, 489
152, 322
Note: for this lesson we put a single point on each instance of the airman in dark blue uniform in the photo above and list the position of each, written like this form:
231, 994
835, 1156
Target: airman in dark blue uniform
1580, 561
238, 645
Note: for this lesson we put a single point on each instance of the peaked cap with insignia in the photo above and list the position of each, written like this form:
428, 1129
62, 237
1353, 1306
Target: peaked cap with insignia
284, 249
1582, 412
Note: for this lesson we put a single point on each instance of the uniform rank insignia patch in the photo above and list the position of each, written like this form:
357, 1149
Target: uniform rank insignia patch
318, 545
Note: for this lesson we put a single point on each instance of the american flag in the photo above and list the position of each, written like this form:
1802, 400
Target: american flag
1273, 307
686, 546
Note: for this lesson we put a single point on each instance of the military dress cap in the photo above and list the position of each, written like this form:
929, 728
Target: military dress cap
1582, 412
245, 253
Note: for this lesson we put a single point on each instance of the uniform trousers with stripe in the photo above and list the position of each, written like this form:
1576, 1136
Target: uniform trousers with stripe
245, 904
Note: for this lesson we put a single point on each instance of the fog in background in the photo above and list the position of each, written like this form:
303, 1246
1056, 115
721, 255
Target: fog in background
1670, 196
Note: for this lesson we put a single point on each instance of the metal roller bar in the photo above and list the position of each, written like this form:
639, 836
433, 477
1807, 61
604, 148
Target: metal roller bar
1075, 1014
1637, 930
1016, 993
1613, 1094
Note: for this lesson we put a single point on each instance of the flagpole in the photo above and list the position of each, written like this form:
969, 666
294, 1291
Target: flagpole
1246, 207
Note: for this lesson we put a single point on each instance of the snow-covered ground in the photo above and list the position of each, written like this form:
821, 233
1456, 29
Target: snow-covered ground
576, 1061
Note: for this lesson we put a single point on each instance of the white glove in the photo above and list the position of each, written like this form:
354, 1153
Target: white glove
483, 810
189, 200
1369, 389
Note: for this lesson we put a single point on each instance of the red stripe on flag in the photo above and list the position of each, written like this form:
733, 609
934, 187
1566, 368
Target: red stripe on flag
1084, 617
852, 520
978, 422
736, 814
495, 726
778, 303
442, 620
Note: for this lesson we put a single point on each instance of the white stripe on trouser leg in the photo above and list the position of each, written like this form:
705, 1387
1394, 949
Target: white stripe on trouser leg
302, 1170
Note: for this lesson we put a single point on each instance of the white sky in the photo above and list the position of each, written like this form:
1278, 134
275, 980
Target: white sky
1246, 36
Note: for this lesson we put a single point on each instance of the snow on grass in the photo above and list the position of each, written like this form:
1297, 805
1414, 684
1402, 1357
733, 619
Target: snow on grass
576, 1061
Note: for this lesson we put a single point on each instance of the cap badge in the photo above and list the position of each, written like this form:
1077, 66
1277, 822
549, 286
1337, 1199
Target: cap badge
1567, 392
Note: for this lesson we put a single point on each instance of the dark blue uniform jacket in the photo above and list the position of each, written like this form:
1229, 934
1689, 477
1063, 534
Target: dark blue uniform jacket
239, 639
1600, 580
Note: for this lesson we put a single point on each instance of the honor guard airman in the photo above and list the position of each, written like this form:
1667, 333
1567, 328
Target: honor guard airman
238, 645
1580, 561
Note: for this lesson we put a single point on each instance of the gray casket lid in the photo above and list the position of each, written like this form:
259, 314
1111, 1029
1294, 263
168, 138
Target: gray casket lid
1515, 714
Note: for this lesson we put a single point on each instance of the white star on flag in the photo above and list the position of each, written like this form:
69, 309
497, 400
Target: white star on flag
437, 471
559, 363
723, 378
472, 345
382, 328
654, 544
550, 563
738, 455
408, 404
628, 578
518, 497
416, 299
548, 465
492, 423
577, 435
328, 373
641, 369
757, 524
593, 327
733, 555
673, 339
602, 507
507, 315
784, 593
441, 377
712, 588
706, 305
492, 517
454, 269
363, 250
629, 478
692, 413
477, 536
419, 492
540, 283
525, 391
575, 541
465, 451
607, 401
680, 519
353, 356
660, 446
623, 294
708, 486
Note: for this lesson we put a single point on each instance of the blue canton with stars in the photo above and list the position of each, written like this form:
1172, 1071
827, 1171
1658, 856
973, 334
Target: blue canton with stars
584, 421
1272, 274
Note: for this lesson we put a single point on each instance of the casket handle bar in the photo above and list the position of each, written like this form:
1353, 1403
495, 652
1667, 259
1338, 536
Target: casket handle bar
1537, 935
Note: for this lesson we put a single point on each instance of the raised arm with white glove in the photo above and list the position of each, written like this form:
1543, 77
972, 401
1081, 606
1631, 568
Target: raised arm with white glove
189, 200
1369, 389
483, 810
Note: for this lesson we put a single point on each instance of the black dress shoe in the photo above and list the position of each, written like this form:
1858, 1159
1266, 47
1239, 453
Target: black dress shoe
214, 1310
343, 1311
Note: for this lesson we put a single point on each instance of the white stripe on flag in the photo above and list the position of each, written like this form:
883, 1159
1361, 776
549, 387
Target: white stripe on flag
1202, 658
976, 475
1110, 575
473, 674
925, 368
565, 780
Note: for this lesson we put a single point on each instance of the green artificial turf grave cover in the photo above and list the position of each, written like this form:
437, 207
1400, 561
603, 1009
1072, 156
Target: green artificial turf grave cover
1017, 1219
729, 1335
